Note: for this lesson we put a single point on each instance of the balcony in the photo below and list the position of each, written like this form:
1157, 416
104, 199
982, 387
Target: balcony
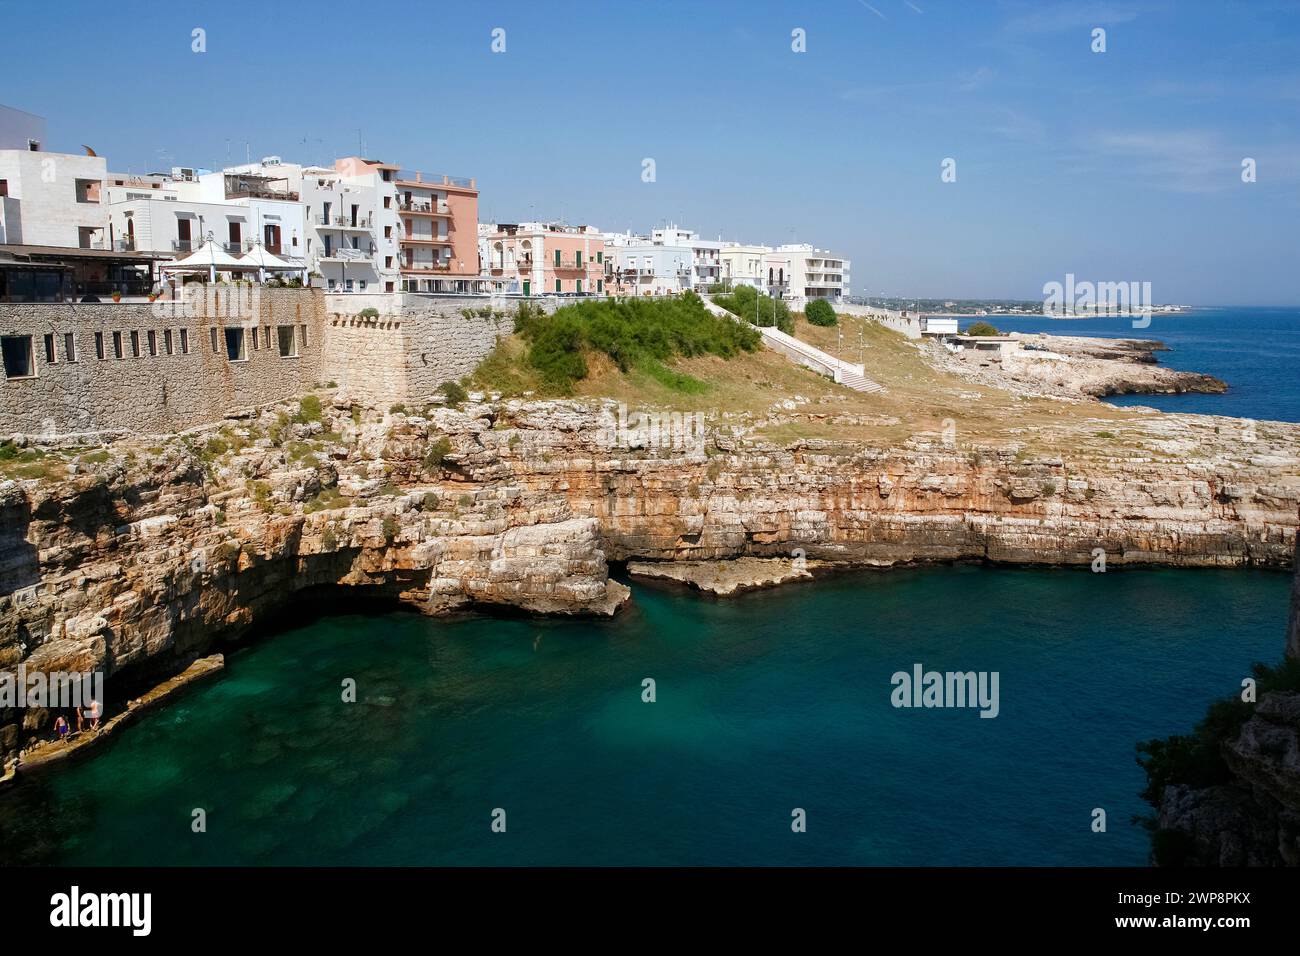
571, 265
346, 254
420, 268
186, 245
125, 244
440, 208
413, 177
426, 240
362, 224
246, 186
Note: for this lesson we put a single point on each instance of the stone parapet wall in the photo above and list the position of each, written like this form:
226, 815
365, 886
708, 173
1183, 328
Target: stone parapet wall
415, 344
154, 391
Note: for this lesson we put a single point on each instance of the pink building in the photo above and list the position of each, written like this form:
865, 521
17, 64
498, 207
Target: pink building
535, 258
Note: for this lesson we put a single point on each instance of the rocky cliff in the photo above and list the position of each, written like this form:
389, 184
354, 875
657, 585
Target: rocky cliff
1252, 816
137, 558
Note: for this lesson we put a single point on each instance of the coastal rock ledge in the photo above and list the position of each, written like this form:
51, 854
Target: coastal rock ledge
138, 557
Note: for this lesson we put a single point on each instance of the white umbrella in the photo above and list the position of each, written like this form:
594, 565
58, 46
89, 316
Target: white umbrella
209, 256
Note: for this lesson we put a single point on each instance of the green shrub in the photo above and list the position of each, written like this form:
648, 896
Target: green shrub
438, 452
279, 431
982, 328
8, 450
746, 303
819, 312
309, 409
635, 334
1196, 759
398, 409
391, 527
368, 314
454, 392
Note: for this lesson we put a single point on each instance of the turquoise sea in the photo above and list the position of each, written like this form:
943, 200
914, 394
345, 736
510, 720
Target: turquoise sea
770, 702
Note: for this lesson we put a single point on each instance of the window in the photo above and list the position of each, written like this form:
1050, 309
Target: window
185, 341
266, 336
69, 347
557, 285
577, 286
362, 285
17, 351
167, 341
388, 264
153, 342
254, 337
600, 285
302, 335
235, 345
99, 345
4, 187
285, 335
213, 333
117, 345
135, 343
600, 257
557, 261
388, 202
578, 260
50, 357
388, 287
388, 232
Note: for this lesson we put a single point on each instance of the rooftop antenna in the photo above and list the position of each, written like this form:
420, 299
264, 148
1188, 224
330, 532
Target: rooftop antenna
248, 153
361, 146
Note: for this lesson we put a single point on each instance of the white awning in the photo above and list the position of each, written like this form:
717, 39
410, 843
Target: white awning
260, 258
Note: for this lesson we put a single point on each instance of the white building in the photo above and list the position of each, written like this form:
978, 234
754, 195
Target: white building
744, 265
706, 254
173, 216
636, 265
800, 273
53, 199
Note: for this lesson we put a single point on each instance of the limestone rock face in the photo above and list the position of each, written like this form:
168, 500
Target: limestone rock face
1254, 818
137, 560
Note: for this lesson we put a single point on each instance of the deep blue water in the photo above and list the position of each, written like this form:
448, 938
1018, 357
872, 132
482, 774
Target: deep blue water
1256, 351
768, 702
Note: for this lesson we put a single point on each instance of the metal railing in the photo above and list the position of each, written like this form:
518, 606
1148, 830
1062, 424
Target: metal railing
439, 208
433, 179
362, 222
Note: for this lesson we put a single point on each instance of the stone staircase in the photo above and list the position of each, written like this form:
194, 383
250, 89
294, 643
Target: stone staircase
801, 353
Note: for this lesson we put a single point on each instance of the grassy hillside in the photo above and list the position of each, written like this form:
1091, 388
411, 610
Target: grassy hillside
733, 380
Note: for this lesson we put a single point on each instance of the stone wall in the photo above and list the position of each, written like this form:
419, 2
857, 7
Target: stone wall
909, 324
414, 345
155, 388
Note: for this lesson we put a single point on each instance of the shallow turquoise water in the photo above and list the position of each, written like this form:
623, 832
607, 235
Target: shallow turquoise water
768, 702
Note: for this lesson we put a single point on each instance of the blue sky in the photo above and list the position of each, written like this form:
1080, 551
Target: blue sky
1115, 166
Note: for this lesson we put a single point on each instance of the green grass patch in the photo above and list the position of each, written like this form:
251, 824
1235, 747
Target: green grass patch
634, 334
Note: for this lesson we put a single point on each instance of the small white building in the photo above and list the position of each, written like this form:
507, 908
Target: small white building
706, 254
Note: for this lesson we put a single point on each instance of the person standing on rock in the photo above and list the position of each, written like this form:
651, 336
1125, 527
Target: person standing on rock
94, 714
61, 727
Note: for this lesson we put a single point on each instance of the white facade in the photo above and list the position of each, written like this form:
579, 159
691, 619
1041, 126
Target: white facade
21, 130
706, 254
173, 217
644, 268
744, 265
809, 273
56, 199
